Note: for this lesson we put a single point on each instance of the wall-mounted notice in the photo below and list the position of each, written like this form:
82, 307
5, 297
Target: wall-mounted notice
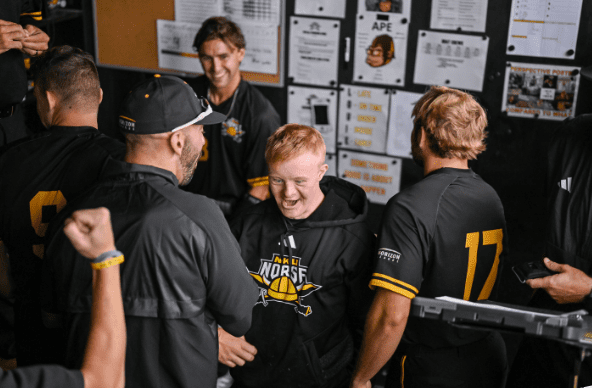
379, 176
258, 22
398, 141
325, 8
317, 108
541, 91
363, 114
381, 49
331, 160
465, 15
398, 8
314, 46
451, 60
175, 46
544, 28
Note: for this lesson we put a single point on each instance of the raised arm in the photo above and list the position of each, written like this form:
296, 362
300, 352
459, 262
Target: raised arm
104, 360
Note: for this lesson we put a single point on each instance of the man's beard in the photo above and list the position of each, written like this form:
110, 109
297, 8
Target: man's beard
189, 162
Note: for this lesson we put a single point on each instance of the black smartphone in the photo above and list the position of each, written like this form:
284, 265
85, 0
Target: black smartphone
532, 270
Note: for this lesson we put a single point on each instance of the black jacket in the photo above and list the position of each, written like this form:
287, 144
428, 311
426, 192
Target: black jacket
182, 277
313, 279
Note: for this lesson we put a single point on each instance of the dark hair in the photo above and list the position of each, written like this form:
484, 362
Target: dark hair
71, 74
219, 28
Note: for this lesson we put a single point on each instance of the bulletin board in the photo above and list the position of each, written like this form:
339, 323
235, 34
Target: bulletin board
125, 38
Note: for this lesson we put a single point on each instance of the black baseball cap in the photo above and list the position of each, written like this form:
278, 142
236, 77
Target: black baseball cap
164, 104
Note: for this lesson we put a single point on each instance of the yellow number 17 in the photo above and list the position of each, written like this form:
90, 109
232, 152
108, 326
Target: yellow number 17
490, 237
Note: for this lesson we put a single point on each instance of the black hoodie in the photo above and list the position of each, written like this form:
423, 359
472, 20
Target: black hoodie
313, 288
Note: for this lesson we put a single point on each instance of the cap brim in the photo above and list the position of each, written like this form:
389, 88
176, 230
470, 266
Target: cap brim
587, 73
212, 118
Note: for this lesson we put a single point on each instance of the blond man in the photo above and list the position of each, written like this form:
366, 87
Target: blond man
442, 236
309, 251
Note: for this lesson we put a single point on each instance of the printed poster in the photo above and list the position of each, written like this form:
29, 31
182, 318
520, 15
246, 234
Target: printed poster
258, 22
540, 91
453, 60
314, 47
381, 50
379, 176
462, 15
175, 46
398, 141
363, 118
316, 108
324, 8
544, 28
398, 8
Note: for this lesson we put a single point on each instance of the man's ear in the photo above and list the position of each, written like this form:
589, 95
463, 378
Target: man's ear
101, 95
422, 137
322, 171
177, 141
241, 54
52, 100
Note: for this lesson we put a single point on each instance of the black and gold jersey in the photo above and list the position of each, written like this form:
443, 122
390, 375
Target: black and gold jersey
39, 175
443, 236
233, 158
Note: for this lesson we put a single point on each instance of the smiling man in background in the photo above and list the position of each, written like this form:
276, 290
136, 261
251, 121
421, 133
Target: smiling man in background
232, 168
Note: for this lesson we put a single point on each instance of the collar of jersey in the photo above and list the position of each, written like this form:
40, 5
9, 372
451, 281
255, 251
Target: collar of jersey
132, 171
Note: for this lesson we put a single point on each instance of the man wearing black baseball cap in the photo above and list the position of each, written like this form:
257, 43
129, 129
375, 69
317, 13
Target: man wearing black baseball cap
183, 274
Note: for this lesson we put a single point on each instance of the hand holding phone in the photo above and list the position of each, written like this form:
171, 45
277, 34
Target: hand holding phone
532, 270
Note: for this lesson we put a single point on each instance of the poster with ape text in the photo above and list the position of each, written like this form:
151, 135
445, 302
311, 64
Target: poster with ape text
380, 49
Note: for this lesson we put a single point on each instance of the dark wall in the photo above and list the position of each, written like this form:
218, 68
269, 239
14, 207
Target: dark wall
514, 161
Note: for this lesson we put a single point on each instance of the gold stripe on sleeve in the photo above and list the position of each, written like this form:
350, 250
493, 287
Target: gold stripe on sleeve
391, 287
260, 181
379, 275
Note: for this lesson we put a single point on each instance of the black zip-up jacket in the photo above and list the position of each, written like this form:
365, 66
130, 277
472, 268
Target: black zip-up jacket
313, 279
182, 277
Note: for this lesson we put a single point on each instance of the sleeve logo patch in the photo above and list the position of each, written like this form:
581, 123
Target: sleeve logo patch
389, 254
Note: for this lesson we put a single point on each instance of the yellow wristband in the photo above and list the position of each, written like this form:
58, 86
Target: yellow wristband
108, 263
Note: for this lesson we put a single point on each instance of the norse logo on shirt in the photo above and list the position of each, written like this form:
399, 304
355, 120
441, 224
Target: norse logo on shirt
234, 129
389, 254
284, 280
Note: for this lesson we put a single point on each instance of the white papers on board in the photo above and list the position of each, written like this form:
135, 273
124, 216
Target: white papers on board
397, 8
258, 22
466, 15
261, 54
451, 60
314, 47
196, 11
543, 91
239, 11
379, 176
381, 49
544, 28
363, 115
175, 46
325, 8
398, 141
317, 108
